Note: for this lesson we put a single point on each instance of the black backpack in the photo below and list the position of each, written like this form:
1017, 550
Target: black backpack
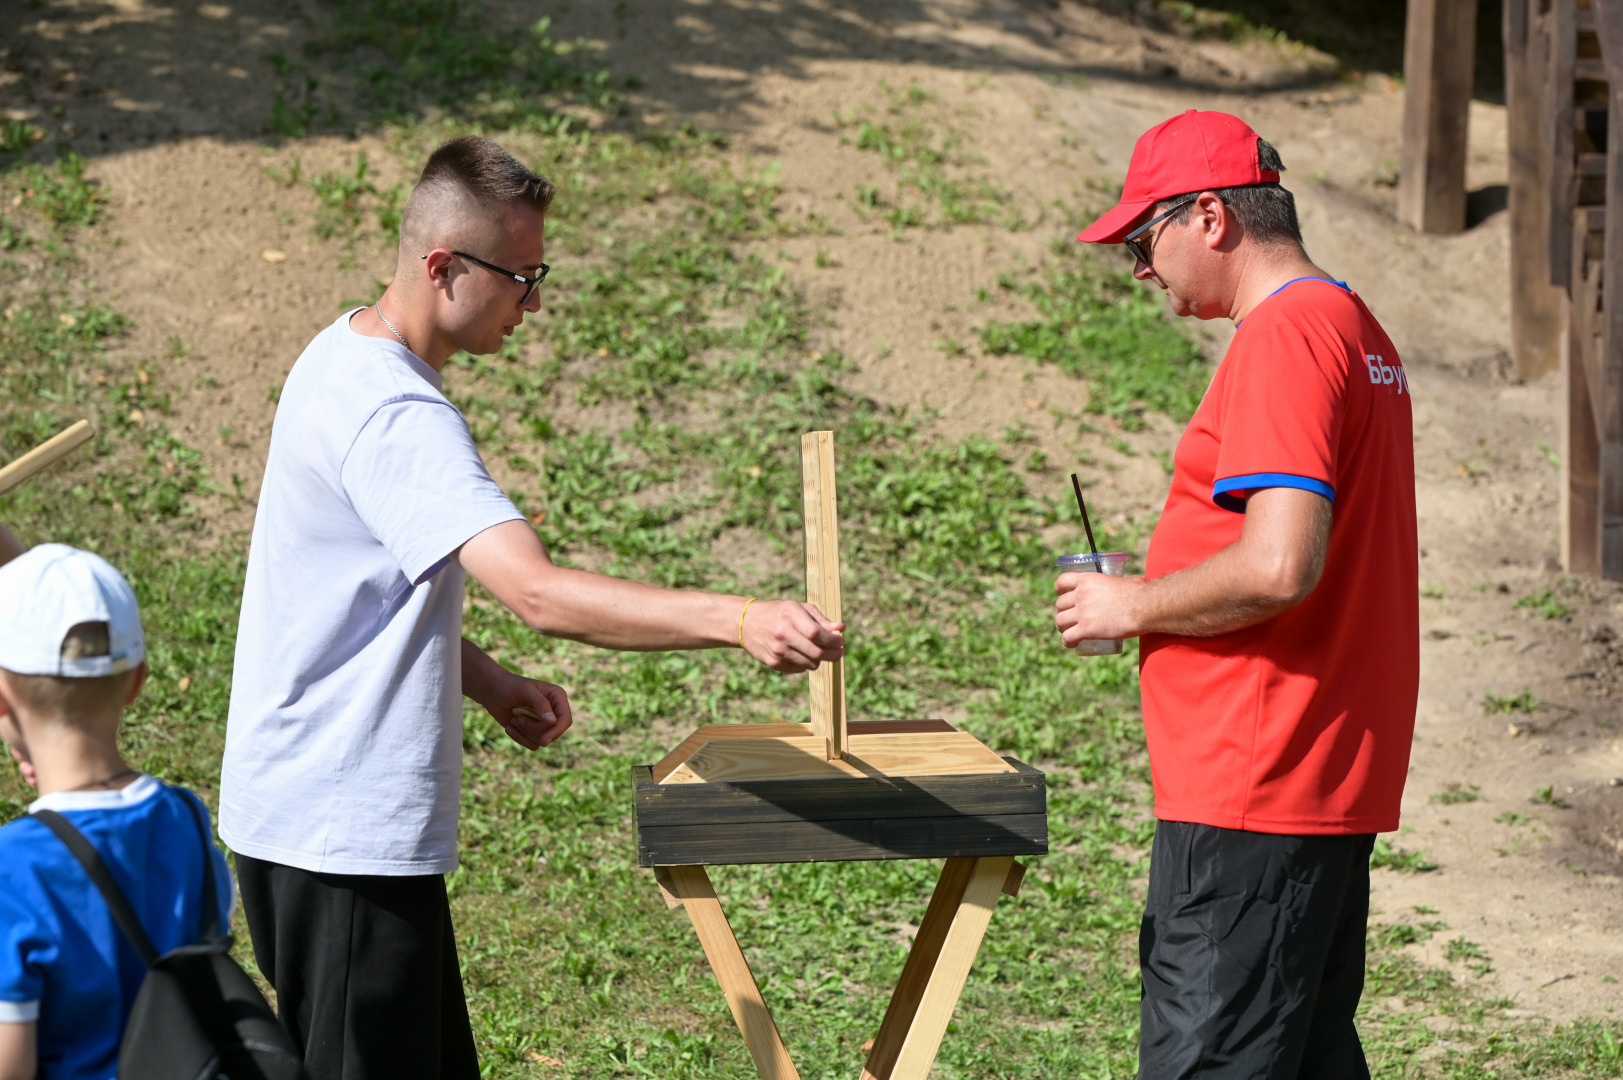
198, 1015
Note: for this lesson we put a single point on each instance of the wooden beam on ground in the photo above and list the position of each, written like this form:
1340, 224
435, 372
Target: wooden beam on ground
754, 1019
1438, 54
823, 581
46, 454
1537, 317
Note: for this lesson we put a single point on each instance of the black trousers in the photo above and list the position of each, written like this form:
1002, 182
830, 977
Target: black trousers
365, 971
1252, 955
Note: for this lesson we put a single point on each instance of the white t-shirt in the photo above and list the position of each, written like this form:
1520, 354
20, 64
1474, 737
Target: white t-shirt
343, 751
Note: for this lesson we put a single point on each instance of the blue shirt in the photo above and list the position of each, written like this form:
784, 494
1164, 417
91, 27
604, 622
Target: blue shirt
63, 961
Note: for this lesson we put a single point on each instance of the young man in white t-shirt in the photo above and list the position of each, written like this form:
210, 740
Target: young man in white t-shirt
342, 770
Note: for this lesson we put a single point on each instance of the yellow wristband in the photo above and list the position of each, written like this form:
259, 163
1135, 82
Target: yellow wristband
741, 615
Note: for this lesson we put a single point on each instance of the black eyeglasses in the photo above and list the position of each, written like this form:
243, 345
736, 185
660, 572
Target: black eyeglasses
1130, 241
529, 283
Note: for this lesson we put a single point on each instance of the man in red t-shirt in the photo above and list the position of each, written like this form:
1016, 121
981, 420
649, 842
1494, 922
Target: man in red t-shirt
1279, 617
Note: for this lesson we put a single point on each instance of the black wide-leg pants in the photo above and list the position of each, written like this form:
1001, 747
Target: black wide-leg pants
365, 971
1252, 955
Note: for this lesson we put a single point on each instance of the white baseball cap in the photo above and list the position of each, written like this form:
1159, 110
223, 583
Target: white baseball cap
50, 589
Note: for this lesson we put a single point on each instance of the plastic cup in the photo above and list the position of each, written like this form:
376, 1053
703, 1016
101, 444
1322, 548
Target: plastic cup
1113, 563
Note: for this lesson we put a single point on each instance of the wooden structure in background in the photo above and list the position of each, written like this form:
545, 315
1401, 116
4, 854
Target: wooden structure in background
1563, 82
1438, 56
1564, 78
835, 791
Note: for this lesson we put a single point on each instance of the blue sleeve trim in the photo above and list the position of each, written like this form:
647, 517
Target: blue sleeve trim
1223, 489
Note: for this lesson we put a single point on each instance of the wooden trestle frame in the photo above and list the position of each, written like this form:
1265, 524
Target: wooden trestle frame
834, 790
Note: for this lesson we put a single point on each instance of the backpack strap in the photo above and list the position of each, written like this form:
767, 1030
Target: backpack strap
91, 860
208, 925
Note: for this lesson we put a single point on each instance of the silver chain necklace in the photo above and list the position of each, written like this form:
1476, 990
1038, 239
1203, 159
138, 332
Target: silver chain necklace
393, 331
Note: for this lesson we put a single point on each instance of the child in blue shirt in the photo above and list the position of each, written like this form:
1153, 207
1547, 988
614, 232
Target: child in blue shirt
72, 658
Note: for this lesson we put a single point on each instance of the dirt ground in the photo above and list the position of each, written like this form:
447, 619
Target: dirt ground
170, 102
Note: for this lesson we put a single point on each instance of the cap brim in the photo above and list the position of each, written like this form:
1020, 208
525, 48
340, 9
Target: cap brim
1114, 225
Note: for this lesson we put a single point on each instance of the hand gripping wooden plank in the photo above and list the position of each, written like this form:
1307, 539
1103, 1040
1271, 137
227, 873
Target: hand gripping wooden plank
46, 454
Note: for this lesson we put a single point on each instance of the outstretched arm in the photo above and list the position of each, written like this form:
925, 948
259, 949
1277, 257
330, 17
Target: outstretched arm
1275, 564
10, 546
510, 560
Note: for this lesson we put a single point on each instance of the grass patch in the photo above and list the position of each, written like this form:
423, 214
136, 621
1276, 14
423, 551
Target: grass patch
1106, 329
937, 182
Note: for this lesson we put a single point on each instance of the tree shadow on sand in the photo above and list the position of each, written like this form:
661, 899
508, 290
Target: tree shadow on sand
99, 76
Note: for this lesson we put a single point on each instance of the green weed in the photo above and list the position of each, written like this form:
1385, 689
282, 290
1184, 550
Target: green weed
1546, 796
1545, 603
17, 136
1386, 854
1523, 702
1456, 793
58, 192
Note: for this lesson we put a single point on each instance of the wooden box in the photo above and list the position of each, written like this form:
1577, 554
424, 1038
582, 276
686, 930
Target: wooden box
764, 793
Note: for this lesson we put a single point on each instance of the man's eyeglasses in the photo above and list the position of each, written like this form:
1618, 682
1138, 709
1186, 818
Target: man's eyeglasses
1130, 242
529, 283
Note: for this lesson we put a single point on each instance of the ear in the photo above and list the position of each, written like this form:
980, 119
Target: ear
1216, 220
136, 683
439, 265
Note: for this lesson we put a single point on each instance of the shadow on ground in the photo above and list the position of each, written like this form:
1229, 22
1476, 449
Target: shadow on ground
98, 76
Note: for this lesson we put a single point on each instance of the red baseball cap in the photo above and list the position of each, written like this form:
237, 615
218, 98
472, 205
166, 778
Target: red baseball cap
1197, 151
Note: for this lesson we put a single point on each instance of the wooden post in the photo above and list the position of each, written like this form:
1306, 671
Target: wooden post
1438, 51
1537, 317
1560, 38
823, 581
1608, 394
1580, 456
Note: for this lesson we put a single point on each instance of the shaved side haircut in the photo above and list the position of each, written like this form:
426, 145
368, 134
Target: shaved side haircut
465, 186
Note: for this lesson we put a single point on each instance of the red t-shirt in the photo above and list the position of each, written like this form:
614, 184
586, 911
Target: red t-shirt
1302, 723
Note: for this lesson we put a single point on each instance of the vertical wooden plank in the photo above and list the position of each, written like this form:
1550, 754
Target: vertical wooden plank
1536, 315
921, 961
738, 985
1609, 28
951, 972
1580, 456
1438, 51
823, 580
1561, 183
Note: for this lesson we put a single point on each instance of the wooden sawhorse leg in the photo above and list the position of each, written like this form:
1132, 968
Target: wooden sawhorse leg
691, 884
938, 966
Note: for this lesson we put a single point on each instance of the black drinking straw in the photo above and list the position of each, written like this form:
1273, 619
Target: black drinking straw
1076, 485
